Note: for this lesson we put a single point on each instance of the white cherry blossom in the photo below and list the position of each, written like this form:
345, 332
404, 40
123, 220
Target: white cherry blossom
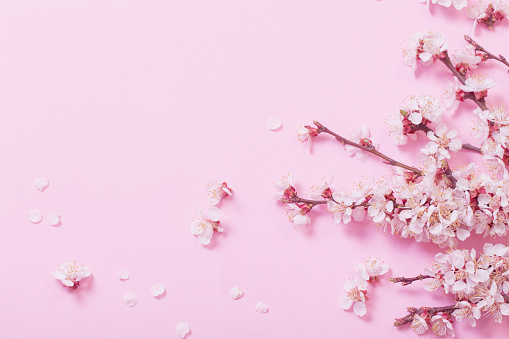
355, 295
361, 136
205, 227
216, 190
370, 270
442, 141
70, 274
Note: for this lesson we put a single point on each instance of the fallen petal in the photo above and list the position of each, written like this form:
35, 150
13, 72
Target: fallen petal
123, 275
130, 299
54, 219
35, 216
41, 184
157, 289
261, 308
236, 292
182, 330
273, 123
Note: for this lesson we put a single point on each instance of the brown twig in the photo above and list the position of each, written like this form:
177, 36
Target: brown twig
489, 55
370, 149
431, 311
447, 62
407, 281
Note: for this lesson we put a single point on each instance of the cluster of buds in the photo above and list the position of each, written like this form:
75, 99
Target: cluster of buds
479, 284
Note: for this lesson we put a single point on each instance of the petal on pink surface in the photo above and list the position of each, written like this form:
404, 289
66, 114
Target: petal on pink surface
35, 216
182, 329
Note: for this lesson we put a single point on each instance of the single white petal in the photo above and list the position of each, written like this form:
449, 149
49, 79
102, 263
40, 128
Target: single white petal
214, 213
157, 289
345, 303
182, 330
261, 308
273, 123
236, 292
41, 183
54, 219
301, 219
359, 309
504, 309
130, 299
415, 118
204, 239
35, 216
58, 275
123, 275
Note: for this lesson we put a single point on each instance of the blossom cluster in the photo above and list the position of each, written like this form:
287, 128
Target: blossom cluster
432, 203
479, 284
205, 227
486, 12
356, 289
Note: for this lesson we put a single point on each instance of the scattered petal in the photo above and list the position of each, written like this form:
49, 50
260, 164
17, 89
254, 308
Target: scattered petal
35, 216
123, 275
236, 292
41, 184
182, 330
54, 219
273, 123
157, 289
261, 308
130, 299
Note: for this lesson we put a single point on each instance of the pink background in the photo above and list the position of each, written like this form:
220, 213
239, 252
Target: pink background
129, 107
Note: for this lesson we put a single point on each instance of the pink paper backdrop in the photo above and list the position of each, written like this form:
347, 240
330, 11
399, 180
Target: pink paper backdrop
129, 107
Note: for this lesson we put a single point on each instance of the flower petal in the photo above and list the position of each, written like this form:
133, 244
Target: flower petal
359, 309
273, 123
157, 289
35, 216
236, 292
182, 329
261, 308
41, 184
130, 299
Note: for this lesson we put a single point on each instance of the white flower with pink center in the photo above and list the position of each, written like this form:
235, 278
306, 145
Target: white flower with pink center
423, 107
70, 274
298, 214
424, 46
322, 191
442, 141
477, 12
370, 270
478, 85
355, 295
340, 206
205, 227
216, 190
419, 324
379, 207
305, 133
466, 310
361, 136
441, 326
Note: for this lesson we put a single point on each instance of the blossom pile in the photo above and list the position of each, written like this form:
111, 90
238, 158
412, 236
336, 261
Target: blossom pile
479, 285
205, 227
356, 289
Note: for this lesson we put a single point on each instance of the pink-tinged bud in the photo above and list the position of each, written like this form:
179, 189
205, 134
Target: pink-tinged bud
290, 193
313, 131
225, 186
327, 193
305, 208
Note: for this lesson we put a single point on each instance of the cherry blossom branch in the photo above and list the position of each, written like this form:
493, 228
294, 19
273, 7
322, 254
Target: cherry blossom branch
447, 62
489, 55
407, 281
428, 310
369, 149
